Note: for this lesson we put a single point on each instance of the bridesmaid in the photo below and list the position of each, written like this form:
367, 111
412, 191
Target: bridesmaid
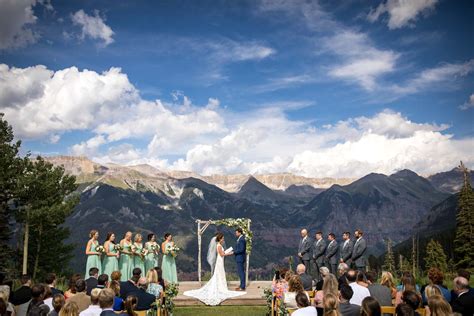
168, 264
139, 259
110, 263
93, 256
151, 258
126, 257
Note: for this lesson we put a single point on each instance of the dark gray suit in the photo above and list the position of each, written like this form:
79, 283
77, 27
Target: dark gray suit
381, 293
358, 254
307, 281
348, 309
319, 248
305, 249
331, 256
346, 252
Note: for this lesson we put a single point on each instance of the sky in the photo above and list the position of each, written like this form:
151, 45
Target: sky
314, 88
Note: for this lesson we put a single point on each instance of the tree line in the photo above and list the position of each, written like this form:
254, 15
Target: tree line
35, 200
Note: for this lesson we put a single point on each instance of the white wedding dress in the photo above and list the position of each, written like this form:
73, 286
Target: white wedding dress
215, 291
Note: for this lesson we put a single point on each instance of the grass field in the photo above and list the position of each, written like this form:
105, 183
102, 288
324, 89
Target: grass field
221, 310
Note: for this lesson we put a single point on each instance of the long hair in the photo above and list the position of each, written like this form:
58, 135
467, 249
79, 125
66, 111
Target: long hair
295, 284
439, 306
331, 305
152, 276
109, 234
137, 237
387, 280
219, 236
330, 285
130, 304
69, 309
370, 307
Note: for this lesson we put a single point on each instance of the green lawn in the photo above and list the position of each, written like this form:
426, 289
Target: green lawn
221, 310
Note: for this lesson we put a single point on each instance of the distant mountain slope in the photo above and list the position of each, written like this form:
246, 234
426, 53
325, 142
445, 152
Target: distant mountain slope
449, 181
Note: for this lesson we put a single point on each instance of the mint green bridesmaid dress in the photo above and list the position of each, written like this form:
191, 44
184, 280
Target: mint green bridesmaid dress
138, 261
168, 266
110, 264
126, 263
151, 258
93, 261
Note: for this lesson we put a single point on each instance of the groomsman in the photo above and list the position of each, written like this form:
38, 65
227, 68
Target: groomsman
304, 250
346, 249
319, 248
331, 253
358, 254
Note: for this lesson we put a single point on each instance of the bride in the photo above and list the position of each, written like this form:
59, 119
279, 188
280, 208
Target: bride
215, 291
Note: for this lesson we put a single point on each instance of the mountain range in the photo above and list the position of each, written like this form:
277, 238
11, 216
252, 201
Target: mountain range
144, 199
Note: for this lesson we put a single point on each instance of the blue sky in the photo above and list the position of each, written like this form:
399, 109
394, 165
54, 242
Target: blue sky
318, 88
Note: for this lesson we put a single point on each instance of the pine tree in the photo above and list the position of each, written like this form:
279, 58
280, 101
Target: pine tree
389, 262
435, 256
464, 241
10, 168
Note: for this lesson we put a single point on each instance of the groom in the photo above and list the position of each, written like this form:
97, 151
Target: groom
240, 254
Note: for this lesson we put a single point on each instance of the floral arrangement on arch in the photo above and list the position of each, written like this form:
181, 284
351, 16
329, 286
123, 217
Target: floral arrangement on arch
239, 222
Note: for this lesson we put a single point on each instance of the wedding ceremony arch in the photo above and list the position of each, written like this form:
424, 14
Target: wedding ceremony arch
243, 223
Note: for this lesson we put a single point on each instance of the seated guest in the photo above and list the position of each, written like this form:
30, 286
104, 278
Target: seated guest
3, 307
115, 276
412, 299
388, 281
464, 303
131, 305
403, 309
304, 308
81, 298
37, 307
370, 307
345, 295
360, 292
160, 277
48, 297
92, 280
342, 269
23, 294
280, 285
381, 293
323, 271
331, 306
102, 281
408, 284
361, 279
93, 309
50, 280
58, 303
5, 296
106, 302
127, 287
437, 306
154, 287
145, 300
305, 278
330, 286
118, 301
71, 291
294, 287
401, 286
467, 275
431, 290
69, 309
436, 278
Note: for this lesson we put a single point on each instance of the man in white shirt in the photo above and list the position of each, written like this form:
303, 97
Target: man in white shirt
93, 309
360, 292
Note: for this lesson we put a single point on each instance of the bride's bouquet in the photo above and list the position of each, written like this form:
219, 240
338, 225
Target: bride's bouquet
100, 249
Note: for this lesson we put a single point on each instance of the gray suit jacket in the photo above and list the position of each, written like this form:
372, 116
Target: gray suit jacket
331, 252
319, 250
381, 293
358, 254
348, 309
346, 252
305, 248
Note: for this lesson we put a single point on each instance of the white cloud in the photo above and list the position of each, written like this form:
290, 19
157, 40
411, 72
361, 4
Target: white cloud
469, 104
275, 84
16, 17
401, 12
362, 62
93, 26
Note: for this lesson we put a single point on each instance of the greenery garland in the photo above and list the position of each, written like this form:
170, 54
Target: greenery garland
239, 222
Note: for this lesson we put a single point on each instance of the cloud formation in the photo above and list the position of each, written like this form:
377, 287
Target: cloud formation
401, 12
469, 104
16, 18
93, 26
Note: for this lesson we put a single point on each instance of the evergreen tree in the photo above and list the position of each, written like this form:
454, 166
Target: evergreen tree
45, 194
435, 256
10, 169
389, 262
464, 241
